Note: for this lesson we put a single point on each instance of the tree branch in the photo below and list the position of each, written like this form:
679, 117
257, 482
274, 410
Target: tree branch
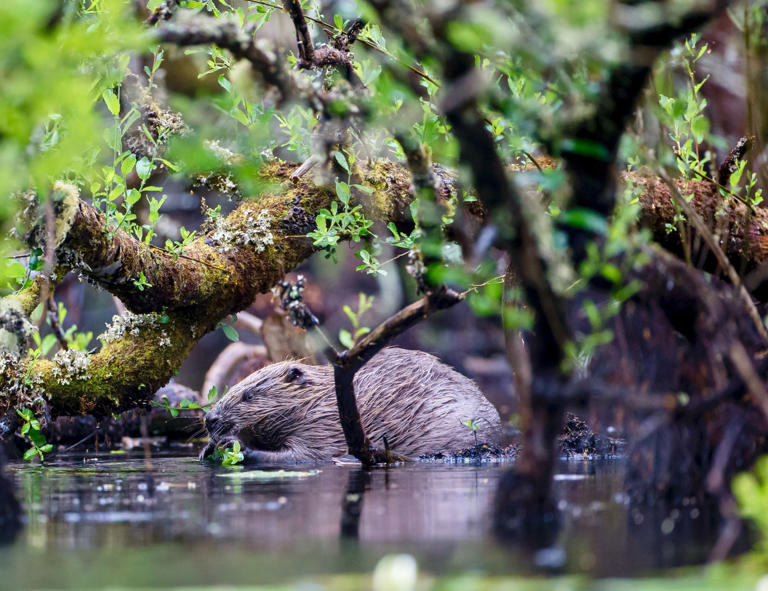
249, 251
227, 34
347, 363
303, 38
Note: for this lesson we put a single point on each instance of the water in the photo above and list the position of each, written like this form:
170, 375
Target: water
102, 519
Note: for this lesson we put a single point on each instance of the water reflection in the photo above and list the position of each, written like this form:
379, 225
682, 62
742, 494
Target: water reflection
9, 510
183, 523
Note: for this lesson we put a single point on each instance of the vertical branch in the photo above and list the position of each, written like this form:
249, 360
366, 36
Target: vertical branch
550, 333
303, 38
347, 363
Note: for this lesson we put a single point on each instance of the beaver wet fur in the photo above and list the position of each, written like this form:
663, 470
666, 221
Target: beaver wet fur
286, 412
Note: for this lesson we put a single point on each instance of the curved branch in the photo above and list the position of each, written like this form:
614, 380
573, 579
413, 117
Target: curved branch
222, 271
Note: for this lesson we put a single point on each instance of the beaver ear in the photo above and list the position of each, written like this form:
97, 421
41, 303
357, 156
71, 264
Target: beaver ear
294, 374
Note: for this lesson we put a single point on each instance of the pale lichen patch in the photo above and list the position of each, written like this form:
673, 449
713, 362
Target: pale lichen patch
70, 364
128, 324
165, 340
254, 231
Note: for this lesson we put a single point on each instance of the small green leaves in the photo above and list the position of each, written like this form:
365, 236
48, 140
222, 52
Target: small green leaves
30, 429
232, 456
176, 247
184, 404
141, 282
349, 338
334, 224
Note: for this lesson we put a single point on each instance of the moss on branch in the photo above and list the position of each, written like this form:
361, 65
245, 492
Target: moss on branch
218, 274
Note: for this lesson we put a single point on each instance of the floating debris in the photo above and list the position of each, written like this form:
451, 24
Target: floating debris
577, 438
482, 452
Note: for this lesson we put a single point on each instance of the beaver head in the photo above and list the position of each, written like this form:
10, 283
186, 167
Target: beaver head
262, 411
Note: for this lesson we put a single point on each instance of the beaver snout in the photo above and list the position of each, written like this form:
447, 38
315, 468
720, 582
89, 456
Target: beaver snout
216, 426
211, 423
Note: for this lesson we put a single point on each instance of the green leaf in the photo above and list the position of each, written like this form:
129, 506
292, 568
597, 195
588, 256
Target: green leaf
515, 317
342, 191
593, 314
345, 338
48, 342
468, 36
341, 159
700, 127
144, 168
127, 165
350, 314
48, 447
585, 219
132, 197
230, 332
585, 147
240, 117
112, 102
29, 454
611, 272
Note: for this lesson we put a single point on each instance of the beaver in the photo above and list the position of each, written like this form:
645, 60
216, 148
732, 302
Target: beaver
287, 412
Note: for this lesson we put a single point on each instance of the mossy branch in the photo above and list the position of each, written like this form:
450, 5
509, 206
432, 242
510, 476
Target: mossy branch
219, 273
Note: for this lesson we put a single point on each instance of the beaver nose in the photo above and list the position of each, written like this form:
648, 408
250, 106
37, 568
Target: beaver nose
211, 421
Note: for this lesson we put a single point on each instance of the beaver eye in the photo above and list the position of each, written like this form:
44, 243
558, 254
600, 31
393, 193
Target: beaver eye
247, 396
295, 375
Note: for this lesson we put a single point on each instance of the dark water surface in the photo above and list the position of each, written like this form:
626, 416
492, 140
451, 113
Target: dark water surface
101, 520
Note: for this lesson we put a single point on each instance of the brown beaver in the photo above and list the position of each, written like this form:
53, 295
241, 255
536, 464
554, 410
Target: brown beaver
286, 412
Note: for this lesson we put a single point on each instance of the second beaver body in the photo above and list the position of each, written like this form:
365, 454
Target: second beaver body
287, 411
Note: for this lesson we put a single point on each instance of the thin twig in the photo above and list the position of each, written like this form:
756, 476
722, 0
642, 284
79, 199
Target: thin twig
53, 318
331, 30
194, 260
709, 179
746, 370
